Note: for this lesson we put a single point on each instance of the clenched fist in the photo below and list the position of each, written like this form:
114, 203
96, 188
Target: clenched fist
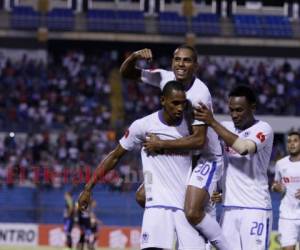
84, 199
143, 54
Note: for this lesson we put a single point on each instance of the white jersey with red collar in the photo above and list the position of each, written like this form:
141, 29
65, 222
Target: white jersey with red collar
197, 92
246, 180
165, 175
288, 173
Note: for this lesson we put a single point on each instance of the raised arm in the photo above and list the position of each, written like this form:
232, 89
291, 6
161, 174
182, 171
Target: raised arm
102, 169
128, 68
242, 146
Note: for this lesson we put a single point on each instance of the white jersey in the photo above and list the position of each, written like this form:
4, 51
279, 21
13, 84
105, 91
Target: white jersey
288, 173
246, 180
165, 174
196, 93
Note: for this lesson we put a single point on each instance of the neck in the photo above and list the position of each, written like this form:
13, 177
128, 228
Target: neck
249, 124
188, 82
295, 157
166, 119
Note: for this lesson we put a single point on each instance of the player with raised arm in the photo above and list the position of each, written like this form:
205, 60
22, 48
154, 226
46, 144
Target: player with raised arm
247, 215
164, 174
203, 140
287, 182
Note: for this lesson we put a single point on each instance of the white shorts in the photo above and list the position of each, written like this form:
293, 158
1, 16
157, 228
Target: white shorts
247, 229
161, 226
206, 174
289, 232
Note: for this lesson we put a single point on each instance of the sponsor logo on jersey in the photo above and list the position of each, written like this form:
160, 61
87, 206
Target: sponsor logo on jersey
247, 133
290, 179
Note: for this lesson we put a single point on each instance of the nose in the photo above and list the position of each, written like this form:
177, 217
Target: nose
234, 115
180, 108
180, 63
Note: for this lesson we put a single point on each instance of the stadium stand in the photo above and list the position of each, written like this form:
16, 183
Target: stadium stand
25, 18
66, 115
60, 19
172, 23
206, 24
101, 20
262, 26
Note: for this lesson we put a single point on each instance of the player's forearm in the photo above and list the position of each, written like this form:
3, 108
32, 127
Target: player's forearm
228, 137
189, 143
102, 169
128, 68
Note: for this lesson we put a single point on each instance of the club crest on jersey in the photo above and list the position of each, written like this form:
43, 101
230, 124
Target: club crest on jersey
145, 237
261, 136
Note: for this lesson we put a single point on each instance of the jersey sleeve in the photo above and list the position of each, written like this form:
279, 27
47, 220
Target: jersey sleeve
202, 97
261, 135
133, 136
156, 77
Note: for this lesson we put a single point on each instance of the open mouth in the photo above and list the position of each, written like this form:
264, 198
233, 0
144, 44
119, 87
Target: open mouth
180, 72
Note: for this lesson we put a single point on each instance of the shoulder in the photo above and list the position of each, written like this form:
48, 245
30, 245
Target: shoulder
263, 127
141, 122
201, 85
283, 160
282, 163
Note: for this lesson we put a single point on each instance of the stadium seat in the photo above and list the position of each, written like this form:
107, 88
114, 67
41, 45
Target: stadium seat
101, 20
262, 26
172, 23
60, 19
130, 21
25, 18
206, 24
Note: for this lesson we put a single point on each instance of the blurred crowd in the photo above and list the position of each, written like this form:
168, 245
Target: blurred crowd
59, 116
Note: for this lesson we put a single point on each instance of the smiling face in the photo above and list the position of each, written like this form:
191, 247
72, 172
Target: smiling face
293, 144
184, 65
241, 112
174, 104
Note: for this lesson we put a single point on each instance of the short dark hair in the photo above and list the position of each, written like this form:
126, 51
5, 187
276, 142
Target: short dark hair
294, 132
244, 90
172, 85
191, 48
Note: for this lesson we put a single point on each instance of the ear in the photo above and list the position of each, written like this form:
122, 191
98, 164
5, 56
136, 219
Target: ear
162, 100
253, 106
196, 66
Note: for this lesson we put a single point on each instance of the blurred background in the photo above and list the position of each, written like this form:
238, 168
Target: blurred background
64, 105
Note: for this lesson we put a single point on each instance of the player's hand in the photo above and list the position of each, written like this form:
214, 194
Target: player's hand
202, 113
278, 187
152, 145
297, 194
84, 199
216, 197
143, 54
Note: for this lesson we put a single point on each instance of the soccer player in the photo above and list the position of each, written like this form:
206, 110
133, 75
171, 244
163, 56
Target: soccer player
84, 223
68, 218
247, 214
287, 182
164, 174
209, 161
